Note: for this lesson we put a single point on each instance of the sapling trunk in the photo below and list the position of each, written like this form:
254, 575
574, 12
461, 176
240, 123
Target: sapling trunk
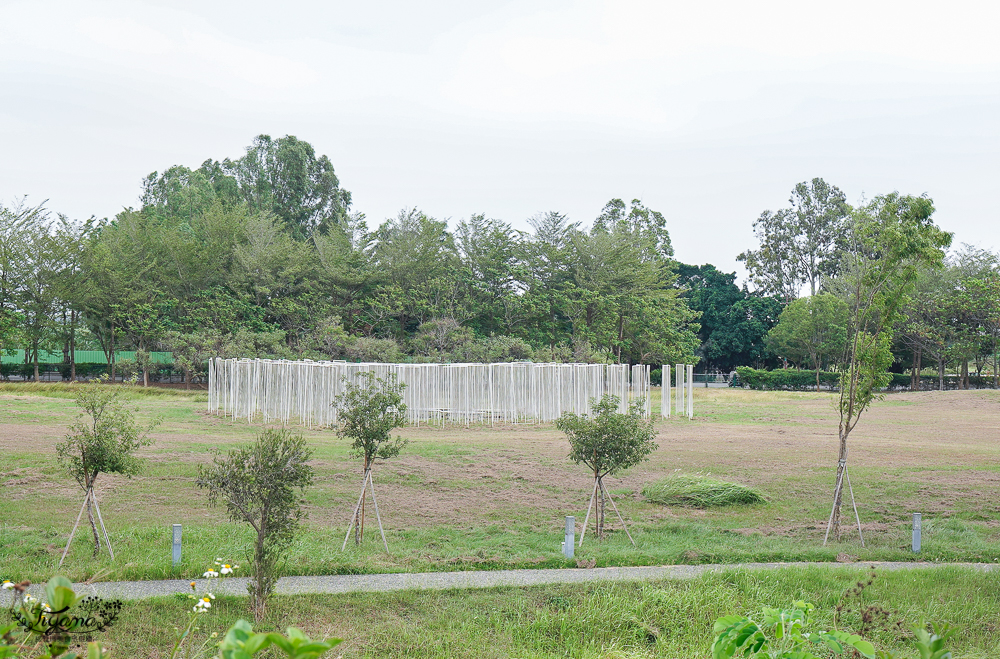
93, 527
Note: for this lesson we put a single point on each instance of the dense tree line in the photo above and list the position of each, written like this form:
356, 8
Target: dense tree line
948, 318
265, 256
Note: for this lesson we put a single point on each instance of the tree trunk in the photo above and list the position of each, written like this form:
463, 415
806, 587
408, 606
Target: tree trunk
838, 493
941, 373
72, 346
600, 509
996, 363
187, 378
34, 352
93, 526
915, 377
111, 354
965, 373
817, 379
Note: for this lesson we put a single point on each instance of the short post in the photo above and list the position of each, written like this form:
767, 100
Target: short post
176, 554
916, 533
570, 536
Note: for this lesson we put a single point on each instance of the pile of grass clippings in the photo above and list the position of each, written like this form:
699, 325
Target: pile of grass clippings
700, 491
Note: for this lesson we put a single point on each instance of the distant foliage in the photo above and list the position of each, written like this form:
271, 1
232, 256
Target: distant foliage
783, 379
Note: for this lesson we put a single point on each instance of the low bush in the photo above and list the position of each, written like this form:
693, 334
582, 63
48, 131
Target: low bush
787, 379
700, 491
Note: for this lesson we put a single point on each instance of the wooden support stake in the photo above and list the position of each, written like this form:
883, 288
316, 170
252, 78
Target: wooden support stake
100, 518
856, 516
836, 495
620, 519
377, 515
590, 505
354, 517
86, 498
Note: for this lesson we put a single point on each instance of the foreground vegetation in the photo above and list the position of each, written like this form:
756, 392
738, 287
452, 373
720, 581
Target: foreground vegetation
655, 619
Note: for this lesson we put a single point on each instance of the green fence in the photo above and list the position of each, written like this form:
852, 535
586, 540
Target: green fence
83, 356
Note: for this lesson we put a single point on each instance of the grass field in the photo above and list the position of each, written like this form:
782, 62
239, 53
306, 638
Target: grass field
489, 498
670, 619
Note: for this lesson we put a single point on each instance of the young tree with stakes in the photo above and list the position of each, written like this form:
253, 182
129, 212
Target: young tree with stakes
608, 442
368, 411
261, 484
103, 439
888, 240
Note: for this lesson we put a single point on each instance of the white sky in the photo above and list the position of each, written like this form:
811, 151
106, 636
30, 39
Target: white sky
708, 111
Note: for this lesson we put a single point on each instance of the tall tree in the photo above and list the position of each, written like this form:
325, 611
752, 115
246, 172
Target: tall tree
493, 271
15, 229
416, 255
734, 322
811, 331
625, 298
799, 245
887, 241
285, 177
550, 280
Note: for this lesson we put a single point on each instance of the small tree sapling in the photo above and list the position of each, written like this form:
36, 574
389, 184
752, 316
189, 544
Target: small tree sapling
260, 484
103, 439
608, 442
368, 411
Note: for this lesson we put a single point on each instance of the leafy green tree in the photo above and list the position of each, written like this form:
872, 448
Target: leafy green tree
734, 323
367, 412
926, 323
285, 177
15, 225
799, 245
549, 282
347, 268
261, 485
416, 256
608, 442
103, 439
42, 263
811, 331
888, 240
493, 269
624, 298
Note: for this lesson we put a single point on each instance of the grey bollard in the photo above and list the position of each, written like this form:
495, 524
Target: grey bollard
916, 533
570, 536
176, 557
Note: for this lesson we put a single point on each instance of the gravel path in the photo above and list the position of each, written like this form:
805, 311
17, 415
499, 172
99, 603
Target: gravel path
130, 590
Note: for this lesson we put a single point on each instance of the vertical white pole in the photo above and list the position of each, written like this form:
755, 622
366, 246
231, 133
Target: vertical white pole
665, 391
690, 391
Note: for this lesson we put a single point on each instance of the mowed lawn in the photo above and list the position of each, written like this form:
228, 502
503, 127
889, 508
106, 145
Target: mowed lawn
495, 497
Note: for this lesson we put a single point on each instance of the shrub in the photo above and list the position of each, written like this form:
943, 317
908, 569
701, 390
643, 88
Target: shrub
787, 379
700, 491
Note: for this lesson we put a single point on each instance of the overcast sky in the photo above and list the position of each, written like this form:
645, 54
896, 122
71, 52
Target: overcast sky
709, 112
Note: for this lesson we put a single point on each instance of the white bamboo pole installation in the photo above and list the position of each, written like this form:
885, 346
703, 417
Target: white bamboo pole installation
683, 391
279, 391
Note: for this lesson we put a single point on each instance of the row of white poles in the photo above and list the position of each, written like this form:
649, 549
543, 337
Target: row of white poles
683, 393
519, 392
